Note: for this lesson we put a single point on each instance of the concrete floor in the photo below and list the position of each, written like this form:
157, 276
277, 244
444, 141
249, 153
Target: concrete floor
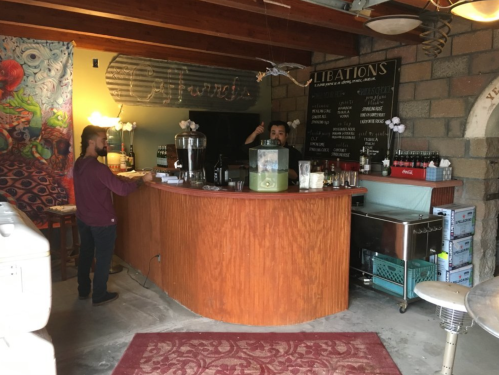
90, 340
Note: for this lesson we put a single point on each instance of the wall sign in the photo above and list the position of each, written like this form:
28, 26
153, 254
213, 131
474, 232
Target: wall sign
161, 83
347, 109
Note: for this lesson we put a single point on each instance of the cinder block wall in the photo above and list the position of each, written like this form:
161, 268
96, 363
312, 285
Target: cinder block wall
435, 99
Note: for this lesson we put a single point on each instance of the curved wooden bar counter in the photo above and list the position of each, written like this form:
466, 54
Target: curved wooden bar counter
242, 257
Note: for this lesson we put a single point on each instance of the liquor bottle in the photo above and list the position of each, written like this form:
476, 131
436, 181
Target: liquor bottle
367, 162
362, 160
165, 159
218, 173
131, 158
158, 153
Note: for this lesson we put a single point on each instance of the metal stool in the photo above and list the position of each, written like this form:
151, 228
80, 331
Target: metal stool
63, 219
451, 311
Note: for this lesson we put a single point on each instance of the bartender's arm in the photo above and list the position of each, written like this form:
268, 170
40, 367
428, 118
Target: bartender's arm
292, 175
259, 130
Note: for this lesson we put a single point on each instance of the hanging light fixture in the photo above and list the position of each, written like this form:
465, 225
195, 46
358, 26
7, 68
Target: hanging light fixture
394, 24
477, 10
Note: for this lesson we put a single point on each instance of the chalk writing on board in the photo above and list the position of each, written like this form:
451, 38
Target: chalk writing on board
348, 108
150, 82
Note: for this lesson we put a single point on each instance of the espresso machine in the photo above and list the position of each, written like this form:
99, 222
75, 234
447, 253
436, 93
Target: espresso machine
191, 149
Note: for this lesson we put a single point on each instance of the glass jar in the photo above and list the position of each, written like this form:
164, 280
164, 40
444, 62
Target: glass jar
191, 149
269, 164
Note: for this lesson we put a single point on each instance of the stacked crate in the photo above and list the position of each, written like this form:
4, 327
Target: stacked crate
455, 263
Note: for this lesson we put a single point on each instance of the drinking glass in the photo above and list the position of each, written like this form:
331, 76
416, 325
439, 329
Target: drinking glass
354, 178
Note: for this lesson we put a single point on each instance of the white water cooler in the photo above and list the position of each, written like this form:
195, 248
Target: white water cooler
25, 296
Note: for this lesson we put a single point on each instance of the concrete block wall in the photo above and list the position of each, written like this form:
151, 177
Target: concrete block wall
435, 99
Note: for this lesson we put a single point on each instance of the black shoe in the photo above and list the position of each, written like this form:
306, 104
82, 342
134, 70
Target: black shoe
110, 296
84, 296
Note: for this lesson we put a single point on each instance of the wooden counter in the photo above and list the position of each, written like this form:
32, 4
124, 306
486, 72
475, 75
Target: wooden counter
242, 257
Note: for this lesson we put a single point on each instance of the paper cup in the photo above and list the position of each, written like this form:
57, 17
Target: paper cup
316, 180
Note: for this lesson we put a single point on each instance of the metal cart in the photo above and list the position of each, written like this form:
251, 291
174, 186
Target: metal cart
402, 234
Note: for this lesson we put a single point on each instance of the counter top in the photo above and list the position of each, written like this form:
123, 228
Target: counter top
405, 181
293, 192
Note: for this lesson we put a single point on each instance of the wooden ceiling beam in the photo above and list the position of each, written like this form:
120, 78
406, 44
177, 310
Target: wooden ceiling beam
151, 35
209, 19
131, 48
301, 11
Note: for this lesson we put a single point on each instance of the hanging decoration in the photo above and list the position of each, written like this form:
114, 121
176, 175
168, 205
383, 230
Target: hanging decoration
277, 69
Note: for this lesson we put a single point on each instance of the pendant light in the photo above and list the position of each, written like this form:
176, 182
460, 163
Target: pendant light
393, 24
478, 10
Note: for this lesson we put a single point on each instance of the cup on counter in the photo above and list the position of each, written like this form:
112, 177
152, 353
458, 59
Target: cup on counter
354, 178
231, 185
304, 174
239, 185
316, 180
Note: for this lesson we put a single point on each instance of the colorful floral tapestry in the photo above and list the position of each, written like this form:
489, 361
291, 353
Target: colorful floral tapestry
36, 125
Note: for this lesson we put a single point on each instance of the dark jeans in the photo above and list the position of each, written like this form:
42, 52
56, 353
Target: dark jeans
100, 239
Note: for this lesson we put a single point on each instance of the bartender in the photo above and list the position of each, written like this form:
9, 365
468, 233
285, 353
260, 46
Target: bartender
278, 130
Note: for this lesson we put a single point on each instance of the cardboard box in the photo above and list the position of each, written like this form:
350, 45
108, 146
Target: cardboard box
458, 220
439, 174
461, 276
457, 253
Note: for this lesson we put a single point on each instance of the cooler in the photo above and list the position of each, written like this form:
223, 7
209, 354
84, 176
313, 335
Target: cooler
25, 275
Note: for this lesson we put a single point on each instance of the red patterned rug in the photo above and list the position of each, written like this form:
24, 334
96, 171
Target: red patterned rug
215, 353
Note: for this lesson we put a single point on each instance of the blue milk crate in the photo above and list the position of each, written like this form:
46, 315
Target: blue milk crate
393, 269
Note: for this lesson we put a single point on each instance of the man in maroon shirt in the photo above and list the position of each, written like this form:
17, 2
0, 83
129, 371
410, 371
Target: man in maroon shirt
94, 182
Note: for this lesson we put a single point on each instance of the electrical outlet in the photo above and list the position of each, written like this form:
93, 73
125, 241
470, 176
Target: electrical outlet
95, 63
159, 258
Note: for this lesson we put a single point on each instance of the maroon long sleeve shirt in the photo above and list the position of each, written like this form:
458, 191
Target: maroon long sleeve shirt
94, 182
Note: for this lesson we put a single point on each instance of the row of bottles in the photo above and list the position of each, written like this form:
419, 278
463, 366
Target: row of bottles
415, 159
161, 157
127, 161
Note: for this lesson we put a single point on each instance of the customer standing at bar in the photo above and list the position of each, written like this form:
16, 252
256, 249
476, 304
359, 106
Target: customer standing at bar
96, 219
278, 130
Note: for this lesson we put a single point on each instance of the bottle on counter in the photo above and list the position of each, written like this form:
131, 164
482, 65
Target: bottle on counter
396, 159
218, 172
362, 160
158, 153
131, 159
436, 159
426, 160
367, 162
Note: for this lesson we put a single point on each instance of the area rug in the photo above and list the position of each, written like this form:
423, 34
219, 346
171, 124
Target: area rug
216, 353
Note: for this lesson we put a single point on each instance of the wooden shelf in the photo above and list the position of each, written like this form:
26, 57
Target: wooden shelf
406, 181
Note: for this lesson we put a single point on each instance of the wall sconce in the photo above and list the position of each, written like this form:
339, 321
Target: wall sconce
394, 24
103, 121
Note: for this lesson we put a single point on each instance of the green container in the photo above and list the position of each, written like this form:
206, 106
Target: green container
393, 269
269, 165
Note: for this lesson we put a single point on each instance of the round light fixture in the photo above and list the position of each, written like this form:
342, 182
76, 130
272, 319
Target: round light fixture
479, 10
394, 24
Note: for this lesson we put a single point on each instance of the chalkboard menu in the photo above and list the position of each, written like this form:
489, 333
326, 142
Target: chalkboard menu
347, 110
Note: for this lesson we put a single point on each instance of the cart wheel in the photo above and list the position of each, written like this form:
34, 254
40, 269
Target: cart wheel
403, 309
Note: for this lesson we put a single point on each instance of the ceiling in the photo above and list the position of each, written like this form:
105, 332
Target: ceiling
226, 33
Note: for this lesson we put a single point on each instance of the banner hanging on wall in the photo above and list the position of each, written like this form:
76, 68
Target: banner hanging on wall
36, 127
160, 83
347, 110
